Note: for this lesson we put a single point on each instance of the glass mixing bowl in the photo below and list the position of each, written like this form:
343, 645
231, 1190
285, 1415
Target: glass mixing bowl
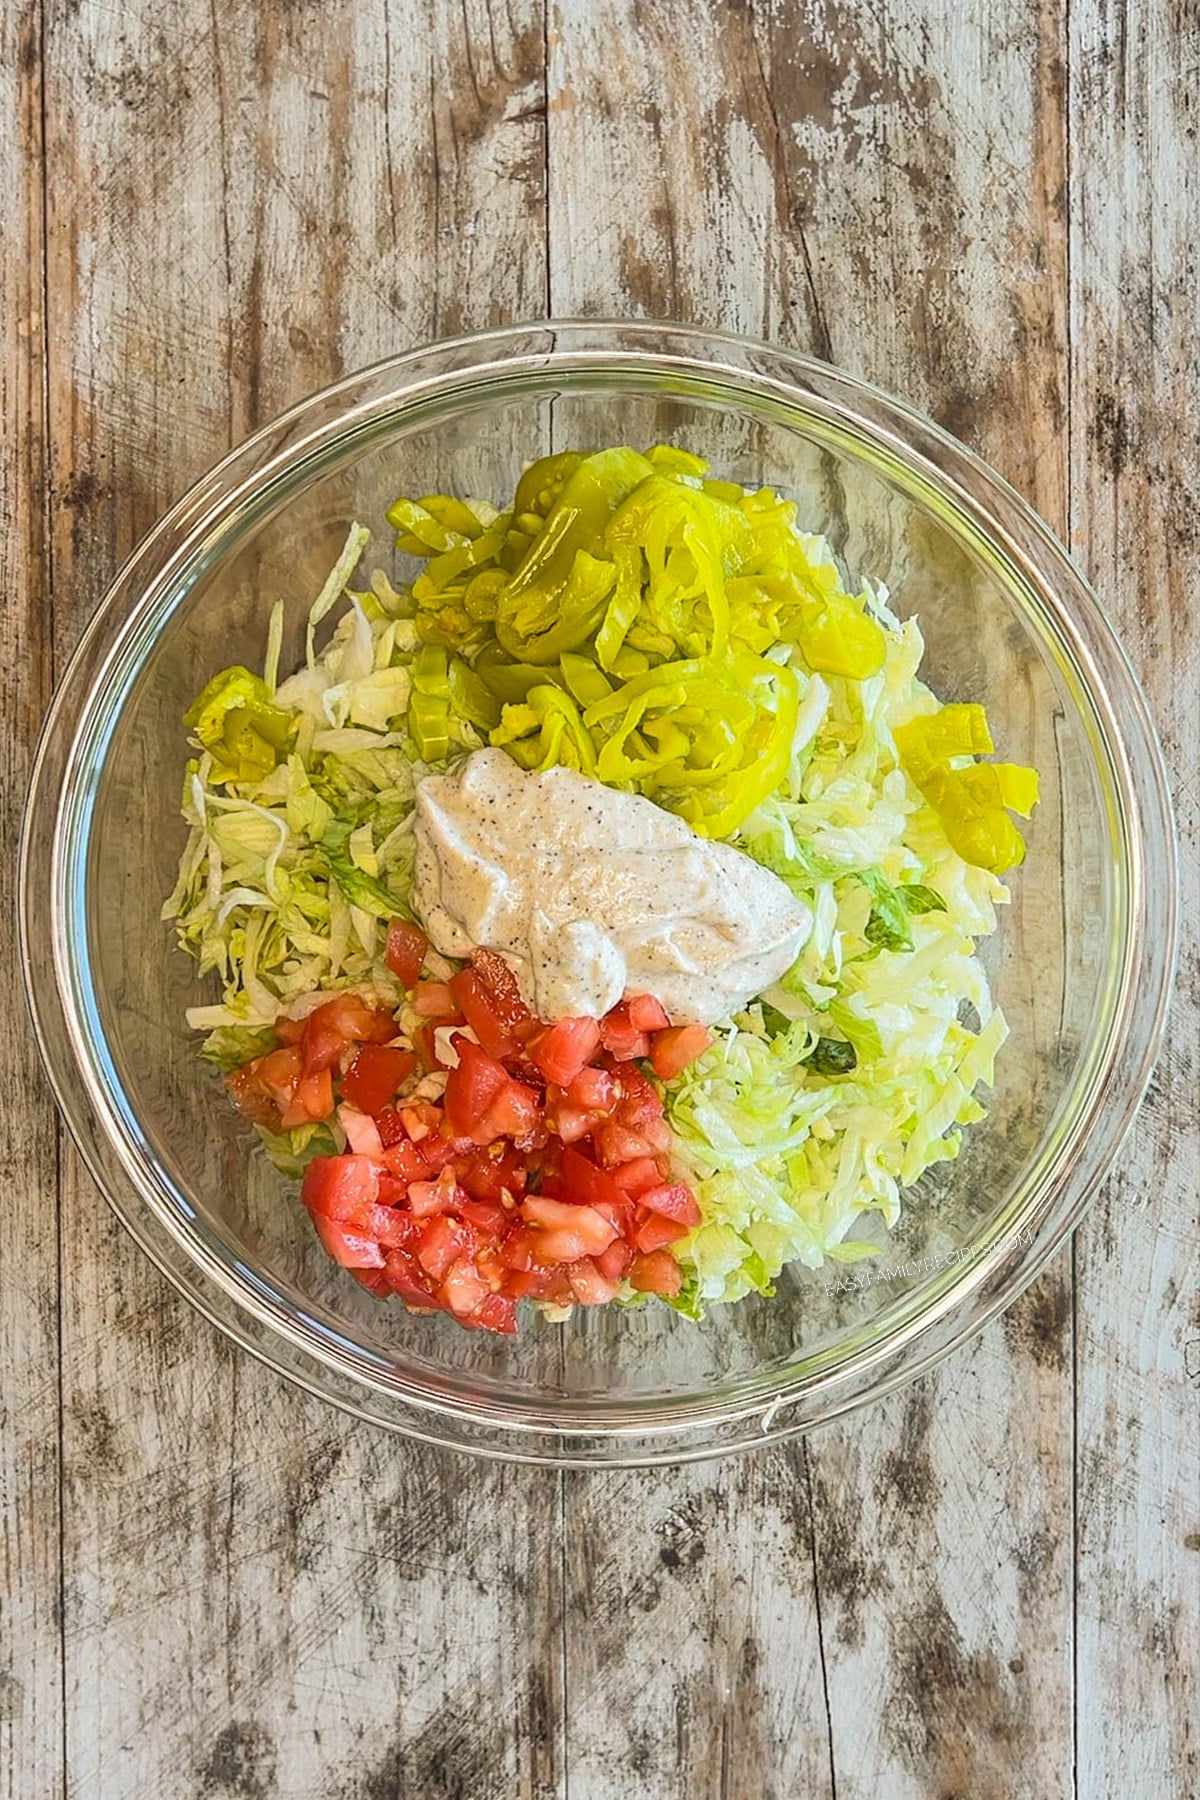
1081, 963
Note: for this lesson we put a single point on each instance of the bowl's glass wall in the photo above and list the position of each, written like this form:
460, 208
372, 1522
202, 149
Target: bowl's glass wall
1049, 963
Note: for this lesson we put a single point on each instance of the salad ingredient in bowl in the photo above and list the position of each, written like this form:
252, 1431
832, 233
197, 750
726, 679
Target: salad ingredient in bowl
597, 913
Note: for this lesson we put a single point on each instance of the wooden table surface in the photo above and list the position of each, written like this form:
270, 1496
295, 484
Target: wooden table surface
986, 1588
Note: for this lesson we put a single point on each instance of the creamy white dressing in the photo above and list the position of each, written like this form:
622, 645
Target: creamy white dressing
592, 894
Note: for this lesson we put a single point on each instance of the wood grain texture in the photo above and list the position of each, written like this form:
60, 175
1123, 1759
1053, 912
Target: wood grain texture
263, 1598
986, 1586
1135, 462
30, 1642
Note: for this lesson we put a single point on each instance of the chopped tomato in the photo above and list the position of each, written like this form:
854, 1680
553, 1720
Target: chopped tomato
656, 1272
392, 1227
485, 1215
595, 1090
492, 1171
478, 1010
571, 1122
432, 1200
352, 1249
406, 1278
513, 1113
404, 1158
621, 1037
374, 1280
496, 1313
584, 1182
471, 1087
433, 1000
672, 1051
251, 1098
278, 1072
584, 1223
589, 1286
562, 1051
673, 1201
636, 1176
443, 1242
618, 1144
464, 1287
341, 1187
345, 1019
614, 1262
429, 1197
407, 947
646, 1013
504, 995
658, 1231
288, 1031
374, 1076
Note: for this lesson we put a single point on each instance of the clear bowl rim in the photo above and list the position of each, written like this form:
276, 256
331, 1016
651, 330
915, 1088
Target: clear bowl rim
676, 1431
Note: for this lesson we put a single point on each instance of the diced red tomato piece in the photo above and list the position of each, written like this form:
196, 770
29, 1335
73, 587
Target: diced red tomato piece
516, 1252
673, 1201
478, 1010
490, 1172
249, 1096
351, 1248
406, 1278
657, 1231
278, 1072
375, 1075
404, 1158
589, 1286
344, 1019
443, 1241
562, 1051
656, 1272
572, 1122
672, 1051
429, 1197
579, 1223
433, 1000
621, 1037
392, 1227
583, 1181
288, 1031
485, 1215
421, 1120
595, 1090
614, 1262
496, 1313
515, 1112
472, 1087
440, 1151
617, 1144
646, 1013
504, 993
464, 1288
341, 1187
636, 1176
374, 1280
407, 947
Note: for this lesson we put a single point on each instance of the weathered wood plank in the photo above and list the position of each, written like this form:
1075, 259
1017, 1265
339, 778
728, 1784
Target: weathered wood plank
261, 1596
30, 1641
885, 190
1135, 467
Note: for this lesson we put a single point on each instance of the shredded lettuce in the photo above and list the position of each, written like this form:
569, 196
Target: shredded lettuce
300, 842
785, 1153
